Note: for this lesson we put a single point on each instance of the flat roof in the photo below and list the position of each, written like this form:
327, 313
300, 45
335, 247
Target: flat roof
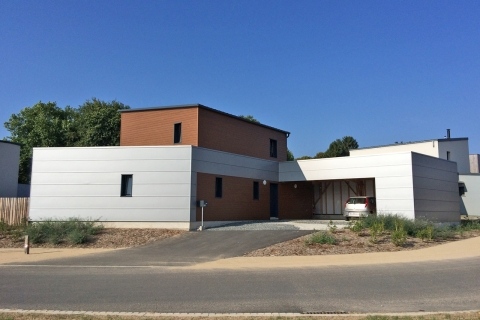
10, 142
410, 142
198, 105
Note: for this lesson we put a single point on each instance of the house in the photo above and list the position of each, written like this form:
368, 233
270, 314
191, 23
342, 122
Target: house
172, 157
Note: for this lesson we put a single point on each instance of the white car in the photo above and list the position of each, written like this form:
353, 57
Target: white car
358, 207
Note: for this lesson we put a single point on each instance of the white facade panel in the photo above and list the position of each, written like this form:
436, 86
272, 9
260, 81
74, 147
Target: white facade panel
424, 147
455, 150
86, 183
9, 165
470, 200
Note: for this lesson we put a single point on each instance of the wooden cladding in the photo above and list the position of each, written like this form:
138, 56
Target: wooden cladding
14, 211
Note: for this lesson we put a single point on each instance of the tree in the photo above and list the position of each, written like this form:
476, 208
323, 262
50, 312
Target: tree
290, 156
337, 148
41, 125
249, 118
98, 123
95, 123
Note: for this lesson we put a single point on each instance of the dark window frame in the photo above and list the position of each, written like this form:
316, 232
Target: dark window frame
177, 132
273, 148
256, 190
218, 187
126, 185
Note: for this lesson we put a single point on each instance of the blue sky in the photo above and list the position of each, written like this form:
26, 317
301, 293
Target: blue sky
380, 71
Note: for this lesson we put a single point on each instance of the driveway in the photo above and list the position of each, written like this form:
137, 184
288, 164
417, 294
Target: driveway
187, 249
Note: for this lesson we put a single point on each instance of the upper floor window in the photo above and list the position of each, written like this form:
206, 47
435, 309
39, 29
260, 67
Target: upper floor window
448, 155
177, 133
273, 148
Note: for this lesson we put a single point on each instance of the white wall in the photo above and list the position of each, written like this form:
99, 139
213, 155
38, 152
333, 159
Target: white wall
470, 201
85, 182
425, 147
435, 187
9, 165
459, 153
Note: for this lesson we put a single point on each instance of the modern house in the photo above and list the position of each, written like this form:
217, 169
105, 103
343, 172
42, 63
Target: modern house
172, 157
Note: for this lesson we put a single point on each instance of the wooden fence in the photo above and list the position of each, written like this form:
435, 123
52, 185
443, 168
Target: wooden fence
14, 211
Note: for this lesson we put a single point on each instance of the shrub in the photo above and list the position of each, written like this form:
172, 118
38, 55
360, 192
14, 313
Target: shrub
332, 227
54, 232
321, 237
376, 229
357, 226
425, 233
399, 235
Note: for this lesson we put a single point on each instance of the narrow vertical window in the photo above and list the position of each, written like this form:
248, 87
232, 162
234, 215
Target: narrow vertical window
256, 190
177, 133
273, 148
126, 188
448, 155
218, 188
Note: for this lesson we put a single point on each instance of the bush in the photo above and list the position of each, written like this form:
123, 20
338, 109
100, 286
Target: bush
321, 238
399, 235
54, 232
358, 226
376, 229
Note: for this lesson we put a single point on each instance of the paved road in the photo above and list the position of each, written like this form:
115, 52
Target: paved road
429, 286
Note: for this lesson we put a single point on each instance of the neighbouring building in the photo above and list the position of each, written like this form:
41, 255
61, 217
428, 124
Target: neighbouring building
9, 164
171, 157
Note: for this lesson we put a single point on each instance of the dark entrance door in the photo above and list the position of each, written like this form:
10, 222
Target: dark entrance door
273, 200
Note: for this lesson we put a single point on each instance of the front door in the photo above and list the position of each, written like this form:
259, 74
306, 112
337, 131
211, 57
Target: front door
273, 200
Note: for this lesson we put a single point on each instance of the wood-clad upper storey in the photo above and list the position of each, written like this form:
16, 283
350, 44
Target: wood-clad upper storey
201, 126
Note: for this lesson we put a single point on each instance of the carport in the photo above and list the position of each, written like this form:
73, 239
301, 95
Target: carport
407, 183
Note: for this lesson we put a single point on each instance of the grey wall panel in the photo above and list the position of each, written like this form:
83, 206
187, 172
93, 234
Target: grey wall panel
435, 186
222, 163
9, 165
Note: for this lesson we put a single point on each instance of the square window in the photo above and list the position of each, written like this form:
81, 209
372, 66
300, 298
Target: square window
126, 188
177, 133
256, 190
273, 148
218, 188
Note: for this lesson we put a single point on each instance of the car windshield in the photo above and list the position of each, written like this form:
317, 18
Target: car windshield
356, 200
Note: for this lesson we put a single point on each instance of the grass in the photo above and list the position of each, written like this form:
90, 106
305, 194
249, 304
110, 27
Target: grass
72, 231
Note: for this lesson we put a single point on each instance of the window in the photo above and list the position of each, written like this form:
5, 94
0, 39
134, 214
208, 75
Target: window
273, 148
126, 188
448, 155
256, 191
461, 189
218, 188
177, 133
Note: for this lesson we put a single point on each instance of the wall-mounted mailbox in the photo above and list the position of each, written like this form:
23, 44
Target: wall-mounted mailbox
202, 203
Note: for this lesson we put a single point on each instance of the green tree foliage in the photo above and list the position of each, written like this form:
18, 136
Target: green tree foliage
41, 125
290, 156
249, 118
338, 148
98, 123
95, 123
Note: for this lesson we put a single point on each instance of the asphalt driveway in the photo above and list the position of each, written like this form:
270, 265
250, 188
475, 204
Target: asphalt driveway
187, 249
